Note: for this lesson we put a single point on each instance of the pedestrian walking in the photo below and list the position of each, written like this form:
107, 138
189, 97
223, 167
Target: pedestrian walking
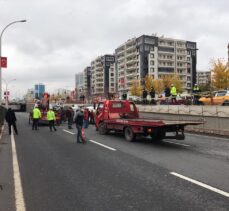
86, 118
11, 120
36, 116
69, 116
51, 118
78, 118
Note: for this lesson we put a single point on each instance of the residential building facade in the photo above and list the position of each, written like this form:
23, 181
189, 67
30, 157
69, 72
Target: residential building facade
203, 77
79, 79
103, 78
156, 56
39, 90
87, 82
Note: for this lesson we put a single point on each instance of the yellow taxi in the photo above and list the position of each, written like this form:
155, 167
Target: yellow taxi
217, 98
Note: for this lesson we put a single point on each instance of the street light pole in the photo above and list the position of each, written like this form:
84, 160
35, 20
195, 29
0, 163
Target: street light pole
21, 21
7, 96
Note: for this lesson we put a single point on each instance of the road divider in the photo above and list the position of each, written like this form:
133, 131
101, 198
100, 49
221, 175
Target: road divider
102, 145
201, 184
19, 196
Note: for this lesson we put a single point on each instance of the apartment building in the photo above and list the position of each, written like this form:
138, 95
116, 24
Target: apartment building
156, 56
87, 82
203, 77
79, 79
103, 78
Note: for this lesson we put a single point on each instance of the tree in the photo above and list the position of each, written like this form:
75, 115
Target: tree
136, 88
220, 74
167, 80
158, 86
177, 83
148, 83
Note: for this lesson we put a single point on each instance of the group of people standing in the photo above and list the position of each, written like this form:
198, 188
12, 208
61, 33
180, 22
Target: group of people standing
171, 93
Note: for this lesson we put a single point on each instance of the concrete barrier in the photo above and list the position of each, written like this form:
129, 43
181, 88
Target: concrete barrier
216, 118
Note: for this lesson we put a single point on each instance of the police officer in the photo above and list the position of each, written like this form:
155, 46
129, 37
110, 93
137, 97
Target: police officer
196, 90
36, 117
173, 92
51, 118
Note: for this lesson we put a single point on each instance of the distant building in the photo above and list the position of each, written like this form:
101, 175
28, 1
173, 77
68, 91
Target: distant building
103, 76
203, 77
39, 90
87, 82
29, 97
79, 79
156, 56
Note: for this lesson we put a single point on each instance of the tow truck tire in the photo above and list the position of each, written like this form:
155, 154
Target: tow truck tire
158, 136
102, 129
129, 134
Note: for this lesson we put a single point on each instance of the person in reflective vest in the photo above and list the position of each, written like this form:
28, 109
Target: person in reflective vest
51, 118
196, 90
36, 117
173, 92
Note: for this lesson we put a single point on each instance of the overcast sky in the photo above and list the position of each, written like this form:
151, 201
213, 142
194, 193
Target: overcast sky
60, 38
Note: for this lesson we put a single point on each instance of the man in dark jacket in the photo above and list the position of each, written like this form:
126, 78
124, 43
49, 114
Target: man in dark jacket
79, 116
11, 120
69, 115
167, 94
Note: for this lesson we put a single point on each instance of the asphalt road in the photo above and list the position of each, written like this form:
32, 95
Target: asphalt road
109, 173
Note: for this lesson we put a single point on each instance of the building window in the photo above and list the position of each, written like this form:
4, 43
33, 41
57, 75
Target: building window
151, 62
151, 55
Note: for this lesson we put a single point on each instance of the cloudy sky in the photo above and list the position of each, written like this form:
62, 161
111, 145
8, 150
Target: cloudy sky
60, 38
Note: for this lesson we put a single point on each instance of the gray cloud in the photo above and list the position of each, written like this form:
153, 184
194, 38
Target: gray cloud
60, 38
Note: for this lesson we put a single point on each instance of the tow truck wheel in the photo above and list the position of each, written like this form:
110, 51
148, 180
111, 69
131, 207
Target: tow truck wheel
129, 134
157, 136
102, 129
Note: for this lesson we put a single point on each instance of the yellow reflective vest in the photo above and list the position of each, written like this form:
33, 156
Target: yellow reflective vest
51, 115
36, 113
173, 91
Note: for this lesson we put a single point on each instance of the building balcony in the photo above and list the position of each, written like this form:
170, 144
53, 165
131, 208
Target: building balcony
131, 61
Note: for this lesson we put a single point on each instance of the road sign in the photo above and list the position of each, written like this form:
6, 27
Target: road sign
7, 93
3, 62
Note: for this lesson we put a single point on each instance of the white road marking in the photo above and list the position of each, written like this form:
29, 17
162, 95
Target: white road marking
102, 145
68, 132
19, 196
201, 184
185, 145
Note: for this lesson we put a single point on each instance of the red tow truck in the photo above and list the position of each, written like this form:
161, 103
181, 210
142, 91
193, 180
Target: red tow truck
123, 116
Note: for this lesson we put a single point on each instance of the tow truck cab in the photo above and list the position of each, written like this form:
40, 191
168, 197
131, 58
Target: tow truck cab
114, 109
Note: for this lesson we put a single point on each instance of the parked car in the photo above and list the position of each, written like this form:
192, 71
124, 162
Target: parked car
217, 98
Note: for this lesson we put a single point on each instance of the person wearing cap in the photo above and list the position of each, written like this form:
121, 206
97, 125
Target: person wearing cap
51, 118
36, 117
173, 92
196, 90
